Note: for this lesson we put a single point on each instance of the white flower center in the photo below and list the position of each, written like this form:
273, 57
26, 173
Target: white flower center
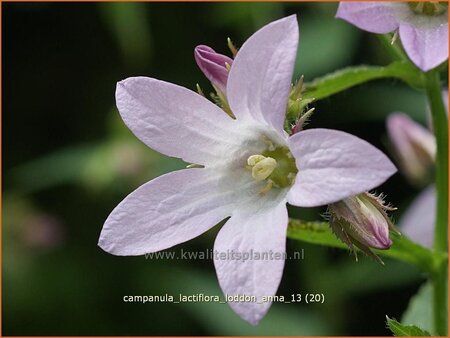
275, 164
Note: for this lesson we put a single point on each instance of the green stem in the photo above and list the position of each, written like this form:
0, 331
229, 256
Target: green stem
440, 127
438, 110
440, 308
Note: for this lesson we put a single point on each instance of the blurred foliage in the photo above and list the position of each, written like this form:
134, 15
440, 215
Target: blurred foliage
68, 160
420, 311
129, 24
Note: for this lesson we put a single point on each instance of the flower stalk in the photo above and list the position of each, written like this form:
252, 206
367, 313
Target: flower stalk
433, 90
440, 128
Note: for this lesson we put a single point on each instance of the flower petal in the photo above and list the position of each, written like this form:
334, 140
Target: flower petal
425, 42
166, 211
240, 272
333, 165
375, 17
259, 81
175, 121
418, 220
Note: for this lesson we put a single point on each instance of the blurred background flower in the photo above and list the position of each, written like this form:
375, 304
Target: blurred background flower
68, 159
414, 147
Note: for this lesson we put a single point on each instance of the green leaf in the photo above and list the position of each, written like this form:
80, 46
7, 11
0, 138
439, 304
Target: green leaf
402, 249
400, 330
420, 309
349, 77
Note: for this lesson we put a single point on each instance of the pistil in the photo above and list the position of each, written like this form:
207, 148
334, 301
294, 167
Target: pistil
261, 166
275, 165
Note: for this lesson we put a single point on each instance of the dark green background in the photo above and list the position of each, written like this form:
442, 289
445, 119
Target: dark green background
68, 160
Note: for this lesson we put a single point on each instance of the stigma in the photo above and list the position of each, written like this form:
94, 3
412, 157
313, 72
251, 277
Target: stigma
261, 166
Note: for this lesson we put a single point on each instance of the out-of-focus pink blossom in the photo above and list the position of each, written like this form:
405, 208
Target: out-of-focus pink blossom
422, 26
414, 147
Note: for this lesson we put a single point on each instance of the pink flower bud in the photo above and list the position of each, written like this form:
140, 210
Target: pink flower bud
215, 66
414, 146
361, 221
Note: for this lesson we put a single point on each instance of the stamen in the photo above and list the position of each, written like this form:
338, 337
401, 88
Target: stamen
267, 188
269, 142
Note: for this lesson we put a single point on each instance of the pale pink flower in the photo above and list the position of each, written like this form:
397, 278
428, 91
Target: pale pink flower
422, 26
251, 168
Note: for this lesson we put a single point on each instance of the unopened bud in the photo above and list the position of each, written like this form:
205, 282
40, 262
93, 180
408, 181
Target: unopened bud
215, 66
361, 221
414, 146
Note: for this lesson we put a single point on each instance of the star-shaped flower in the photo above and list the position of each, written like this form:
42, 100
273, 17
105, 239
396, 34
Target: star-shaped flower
250, 167
422, 26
